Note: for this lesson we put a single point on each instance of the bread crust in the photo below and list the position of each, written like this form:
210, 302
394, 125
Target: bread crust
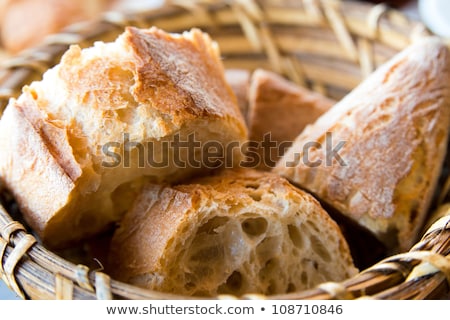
155, 246
148, 84
282, 109
395, 127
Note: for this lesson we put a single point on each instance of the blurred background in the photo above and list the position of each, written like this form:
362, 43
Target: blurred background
24, 23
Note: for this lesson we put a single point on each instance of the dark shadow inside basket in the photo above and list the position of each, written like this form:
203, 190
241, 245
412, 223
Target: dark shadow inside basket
365, 248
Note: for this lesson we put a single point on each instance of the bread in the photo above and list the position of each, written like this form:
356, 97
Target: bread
389, 137
239, 81
240, 231
77, 146
282, 109
25, 23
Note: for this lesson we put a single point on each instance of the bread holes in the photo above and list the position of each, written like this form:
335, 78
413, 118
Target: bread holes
268, 274
320, 249
304, 278
234, 281
254, 226
308, 263
313, 226
269, 270
208, 254
211, 226
295, 236
203, 272
238, 246
256, 195
252, 185
126, 115
268, 248
291, 287
272, 288
189, 286
233, 285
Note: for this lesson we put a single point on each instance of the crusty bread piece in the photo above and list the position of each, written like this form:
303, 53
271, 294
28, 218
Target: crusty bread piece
281, 108
240, 231
65, 149
239, 81
395, 127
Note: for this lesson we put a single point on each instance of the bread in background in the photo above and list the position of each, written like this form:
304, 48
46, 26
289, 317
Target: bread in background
394, 127
239, 231
25, 23
78, 145
282, 109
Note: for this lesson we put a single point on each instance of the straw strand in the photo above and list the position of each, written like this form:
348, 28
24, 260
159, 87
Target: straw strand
13, 259
63, 288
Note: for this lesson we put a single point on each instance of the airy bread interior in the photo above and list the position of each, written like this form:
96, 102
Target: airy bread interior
78, 145
238, 232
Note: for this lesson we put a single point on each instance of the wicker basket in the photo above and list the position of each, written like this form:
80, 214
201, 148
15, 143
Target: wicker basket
327, 45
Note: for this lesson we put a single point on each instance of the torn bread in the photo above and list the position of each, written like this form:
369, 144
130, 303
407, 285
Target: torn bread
78, 145
240, 231
388, 142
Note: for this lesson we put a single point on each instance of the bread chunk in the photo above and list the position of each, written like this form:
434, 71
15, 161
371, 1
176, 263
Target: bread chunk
77, 146
281, 109
239, 231
390, 135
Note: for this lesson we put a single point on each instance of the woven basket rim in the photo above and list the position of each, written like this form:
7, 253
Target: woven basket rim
366, 34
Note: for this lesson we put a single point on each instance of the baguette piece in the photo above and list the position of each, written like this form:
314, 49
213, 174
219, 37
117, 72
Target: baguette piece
240, 231
282, 109
395, 127
77, 146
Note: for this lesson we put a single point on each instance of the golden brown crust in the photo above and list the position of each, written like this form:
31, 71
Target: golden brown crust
281, 108
149, 85
193, 57
24, 161
161, 231
395, 127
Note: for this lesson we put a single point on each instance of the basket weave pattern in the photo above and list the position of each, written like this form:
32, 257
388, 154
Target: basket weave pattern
328, 45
